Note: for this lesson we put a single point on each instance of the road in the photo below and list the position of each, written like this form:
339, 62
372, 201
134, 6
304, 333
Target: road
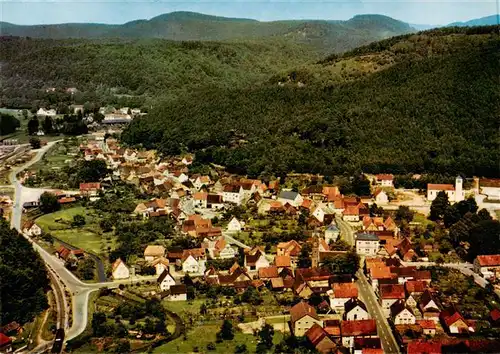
368, 296
78, 290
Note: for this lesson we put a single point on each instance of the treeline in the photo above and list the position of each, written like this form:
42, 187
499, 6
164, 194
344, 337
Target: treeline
23, 280
8, 124
437, 115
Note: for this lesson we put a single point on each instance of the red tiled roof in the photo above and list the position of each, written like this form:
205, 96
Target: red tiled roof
427, 324
358, 328
315, 334
282, 261
489, 260
440, 187
415, 286
351, 210
4, 340
392, 291
332, 327
495, 314
90, 186
384, 177
268, 272
345, 290
300, 310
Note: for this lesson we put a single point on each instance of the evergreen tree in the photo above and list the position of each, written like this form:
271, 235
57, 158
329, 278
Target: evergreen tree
439, 206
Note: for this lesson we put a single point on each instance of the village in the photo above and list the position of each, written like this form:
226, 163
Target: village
359, 273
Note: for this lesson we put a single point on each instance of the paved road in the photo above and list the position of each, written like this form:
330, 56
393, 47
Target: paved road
79, 290
368, 296
229, 238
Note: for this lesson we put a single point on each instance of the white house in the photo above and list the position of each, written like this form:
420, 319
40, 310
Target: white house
321, 211
46, 113
381, 196
455, 193
367, 244
201, 181
177, 293
302, 317
192, 265
166, 280
232, 194
402, 314
160, 265
389, 294
119, 270
293, 198
355, 309
340, 294
235, 225
487, 266
384, 180
31, 229
256, 261
331, 233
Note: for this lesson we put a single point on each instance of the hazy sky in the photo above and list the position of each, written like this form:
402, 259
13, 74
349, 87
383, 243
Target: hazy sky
120, 11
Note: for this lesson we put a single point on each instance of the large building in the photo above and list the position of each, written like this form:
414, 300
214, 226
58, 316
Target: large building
455, 192
367, 244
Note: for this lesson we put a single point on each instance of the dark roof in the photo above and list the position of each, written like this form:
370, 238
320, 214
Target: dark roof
300, 310
178, 289
290, 195
352, 303
398, 307
214, 199
365, 236
163, 275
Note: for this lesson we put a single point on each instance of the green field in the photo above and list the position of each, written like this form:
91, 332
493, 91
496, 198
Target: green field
202, 335
89, 238
21, 133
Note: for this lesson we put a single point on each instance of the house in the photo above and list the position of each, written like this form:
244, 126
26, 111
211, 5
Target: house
5, 342
291, 249
351, 213
119, 270
455, 192
429, 306
355, 309
153, 251
428, 327
232, 193
302, 317
219, 248
160, 264
46, 113
166, 280
381, 196
293, 198
324, 214
256, 260
282, 262
384, 180
200, 199
487, 266
214, 201
67, 255
320, 339
235, 225
332, 233
389, 294
193, 260
268, 273
367, 244
402, 314
31, 229
90, 189
177, 293
201, 181
489, 187
357, 329
341, 293
453, 321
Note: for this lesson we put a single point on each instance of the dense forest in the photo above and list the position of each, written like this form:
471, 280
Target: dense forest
422, 113
23, 278
107, 70
322, 36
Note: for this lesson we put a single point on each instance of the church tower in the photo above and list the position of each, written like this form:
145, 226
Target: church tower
459, 194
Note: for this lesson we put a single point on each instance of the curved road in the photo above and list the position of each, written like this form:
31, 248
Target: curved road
79, 290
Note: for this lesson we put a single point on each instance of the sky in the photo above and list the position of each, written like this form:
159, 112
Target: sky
29, 12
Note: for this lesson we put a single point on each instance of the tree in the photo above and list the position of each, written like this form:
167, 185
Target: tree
304, 259
106, 225
35, 143
347, 263
203, 309
24, 112
484, 214
451, 216
8, 124
484, 238
226, 331
48, 125
339, 245
361, 185
466, 206
439, 206
241, 349
48, 203
404, 213
86, 269
23, 283
375, 210
251, 296
123, 346
33, 125
91, 171
98, 321
78, 220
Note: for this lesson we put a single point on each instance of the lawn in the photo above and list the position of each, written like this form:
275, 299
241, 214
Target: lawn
58, 155
88, 237
202, 335
422, 219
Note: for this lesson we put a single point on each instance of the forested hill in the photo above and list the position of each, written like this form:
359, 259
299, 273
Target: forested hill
324, 36
101, 69
428, 102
